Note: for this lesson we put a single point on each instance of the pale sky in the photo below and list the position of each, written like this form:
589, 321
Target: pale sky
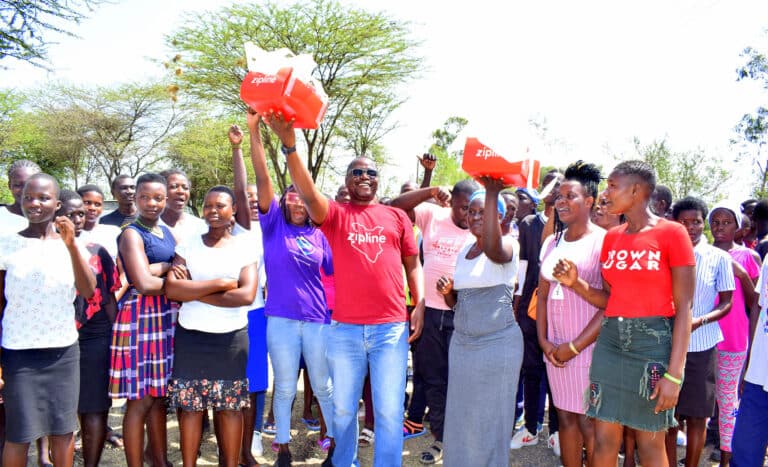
600, 72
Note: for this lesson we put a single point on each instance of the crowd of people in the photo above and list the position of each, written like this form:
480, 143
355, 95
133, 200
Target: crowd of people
612, 307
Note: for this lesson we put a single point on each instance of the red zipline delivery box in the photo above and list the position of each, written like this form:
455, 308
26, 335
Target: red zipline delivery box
280, 81
479, 160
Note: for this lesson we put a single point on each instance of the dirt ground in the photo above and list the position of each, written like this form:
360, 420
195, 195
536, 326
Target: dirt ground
306, 452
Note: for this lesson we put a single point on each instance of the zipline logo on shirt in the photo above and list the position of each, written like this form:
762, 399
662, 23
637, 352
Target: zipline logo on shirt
633, 260
367, 241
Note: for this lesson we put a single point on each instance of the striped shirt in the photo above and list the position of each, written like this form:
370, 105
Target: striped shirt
714, 274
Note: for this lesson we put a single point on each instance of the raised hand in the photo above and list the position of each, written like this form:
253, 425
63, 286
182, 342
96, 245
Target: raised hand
283, 128
66, 229
428, 161
235, 135
252, 119
492, 185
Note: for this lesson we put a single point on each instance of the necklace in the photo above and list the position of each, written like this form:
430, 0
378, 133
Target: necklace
156, 231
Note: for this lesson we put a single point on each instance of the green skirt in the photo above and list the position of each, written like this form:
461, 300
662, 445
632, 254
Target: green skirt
630, 356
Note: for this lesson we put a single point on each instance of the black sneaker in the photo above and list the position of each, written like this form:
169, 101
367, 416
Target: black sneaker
283, 459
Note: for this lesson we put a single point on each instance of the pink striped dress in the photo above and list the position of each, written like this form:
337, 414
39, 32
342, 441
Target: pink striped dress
568, 316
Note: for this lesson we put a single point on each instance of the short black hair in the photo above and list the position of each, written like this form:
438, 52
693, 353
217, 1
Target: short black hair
148, 178
663, 193
640, 169
359, 158
467, 187
119, 177
64, 196
761, 211
222, 189
168, 172
690, 203
746, 203
45, 176
88, 189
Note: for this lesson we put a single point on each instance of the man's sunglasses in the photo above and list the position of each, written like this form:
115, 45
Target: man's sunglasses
372, 173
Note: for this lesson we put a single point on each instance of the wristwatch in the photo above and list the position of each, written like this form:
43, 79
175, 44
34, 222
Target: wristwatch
286, 150
704, 320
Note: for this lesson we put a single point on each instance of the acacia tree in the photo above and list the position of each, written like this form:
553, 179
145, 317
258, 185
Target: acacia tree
690, 173
114, 131
23, 24
751, 133
358, 53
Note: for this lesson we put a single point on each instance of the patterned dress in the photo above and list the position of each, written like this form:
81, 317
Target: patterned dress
142, 337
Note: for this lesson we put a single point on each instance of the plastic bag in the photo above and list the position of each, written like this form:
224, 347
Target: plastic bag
281, 81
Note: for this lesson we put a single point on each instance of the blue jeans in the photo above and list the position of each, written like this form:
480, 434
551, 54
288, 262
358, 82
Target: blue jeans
287, 340
352, 350
750, 435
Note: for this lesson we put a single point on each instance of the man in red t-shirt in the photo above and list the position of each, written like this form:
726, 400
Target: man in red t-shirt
371, 244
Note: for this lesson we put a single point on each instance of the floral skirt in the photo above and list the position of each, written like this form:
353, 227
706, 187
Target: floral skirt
209, 370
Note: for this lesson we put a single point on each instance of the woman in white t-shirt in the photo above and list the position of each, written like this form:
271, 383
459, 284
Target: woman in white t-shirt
486, 350
215, 278
12, 220
40, 270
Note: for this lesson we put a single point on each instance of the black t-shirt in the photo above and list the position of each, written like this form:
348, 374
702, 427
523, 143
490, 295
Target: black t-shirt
530, 228
117, 219
90, 317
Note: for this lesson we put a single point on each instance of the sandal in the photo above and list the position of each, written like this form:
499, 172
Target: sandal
366, 438
313, 424
324, 443
412, 429
115, 439
433, 453
269, 428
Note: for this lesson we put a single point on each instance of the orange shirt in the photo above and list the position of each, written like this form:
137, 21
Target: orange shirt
638, 268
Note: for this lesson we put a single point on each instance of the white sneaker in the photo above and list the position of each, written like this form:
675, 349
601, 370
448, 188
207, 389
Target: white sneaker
554, 443
523, 438
257, 450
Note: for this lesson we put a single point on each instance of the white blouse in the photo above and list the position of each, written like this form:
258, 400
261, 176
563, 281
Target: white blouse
482, 272
206, 263
39, 293
10, 222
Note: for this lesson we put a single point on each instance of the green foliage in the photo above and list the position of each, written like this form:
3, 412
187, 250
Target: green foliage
362, 58
448, 169
445, 136
690, 173
202, 150
5, 193
751, 133
84, 134
22, 24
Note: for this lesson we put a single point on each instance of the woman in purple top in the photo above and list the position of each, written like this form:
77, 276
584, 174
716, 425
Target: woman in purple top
297, 315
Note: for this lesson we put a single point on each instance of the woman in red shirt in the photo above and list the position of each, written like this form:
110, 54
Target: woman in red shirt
648, 272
